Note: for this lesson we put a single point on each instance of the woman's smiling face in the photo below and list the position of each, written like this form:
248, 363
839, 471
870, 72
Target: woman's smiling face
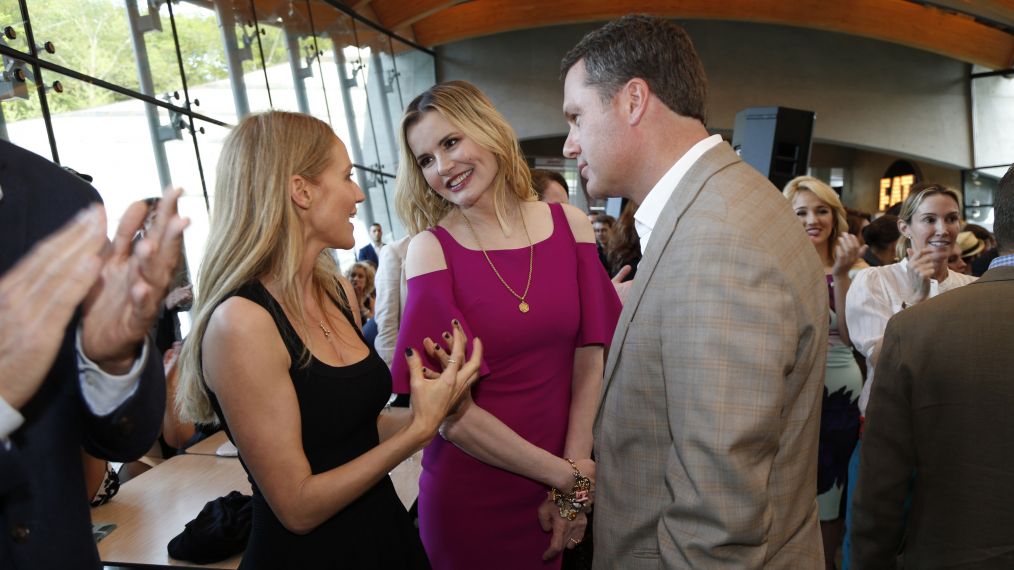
454, 166
935, 224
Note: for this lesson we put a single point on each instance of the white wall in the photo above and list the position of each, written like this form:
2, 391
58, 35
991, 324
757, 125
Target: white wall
867, 94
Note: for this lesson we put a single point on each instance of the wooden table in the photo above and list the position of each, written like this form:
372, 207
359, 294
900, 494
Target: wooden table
155, 506
208, 445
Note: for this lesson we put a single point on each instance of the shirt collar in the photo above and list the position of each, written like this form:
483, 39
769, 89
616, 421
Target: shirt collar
651, 208
1003, 261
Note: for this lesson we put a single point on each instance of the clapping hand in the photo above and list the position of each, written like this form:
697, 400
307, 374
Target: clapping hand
38, 297
846, 253
923, 265
435, 395
125, 301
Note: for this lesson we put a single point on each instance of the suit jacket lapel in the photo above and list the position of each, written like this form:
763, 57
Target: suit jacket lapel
712, 161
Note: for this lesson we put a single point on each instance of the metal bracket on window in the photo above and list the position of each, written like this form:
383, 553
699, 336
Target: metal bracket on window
245, 51
174, 130
14, 79
151, 21
357, 66
392, 77
311, 57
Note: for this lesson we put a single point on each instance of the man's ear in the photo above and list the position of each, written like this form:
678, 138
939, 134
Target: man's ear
635, 100
299, 191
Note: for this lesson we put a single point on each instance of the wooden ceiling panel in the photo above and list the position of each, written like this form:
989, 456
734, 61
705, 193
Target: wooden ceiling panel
393, 14
897, 21
999, 11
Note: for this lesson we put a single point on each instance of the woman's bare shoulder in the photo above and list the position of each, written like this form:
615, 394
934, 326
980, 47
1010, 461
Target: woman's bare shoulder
425, 255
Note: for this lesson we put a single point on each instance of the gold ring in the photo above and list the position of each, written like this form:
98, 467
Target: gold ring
576, 542
451, 361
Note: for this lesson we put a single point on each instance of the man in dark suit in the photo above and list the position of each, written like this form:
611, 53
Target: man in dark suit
71, 377
946, 420
371, 252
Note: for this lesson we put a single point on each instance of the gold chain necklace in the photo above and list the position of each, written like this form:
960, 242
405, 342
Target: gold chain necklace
523, 305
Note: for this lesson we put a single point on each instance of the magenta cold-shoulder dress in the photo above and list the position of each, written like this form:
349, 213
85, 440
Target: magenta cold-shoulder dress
472, 515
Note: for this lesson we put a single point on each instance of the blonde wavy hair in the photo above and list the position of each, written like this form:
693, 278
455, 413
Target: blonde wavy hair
255, 233
827, 195
916, 195
471, 112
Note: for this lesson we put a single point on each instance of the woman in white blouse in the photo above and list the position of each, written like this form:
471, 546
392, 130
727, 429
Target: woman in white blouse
929, 222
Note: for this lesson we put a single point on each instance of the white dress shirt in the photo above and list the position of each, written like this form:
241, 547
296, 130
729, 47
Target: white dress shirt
650, 209
875, 296
392, 290
102, 392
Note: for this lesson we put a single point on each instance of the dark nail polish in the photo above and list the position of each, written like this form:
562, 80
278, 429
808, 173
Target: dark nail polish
408, 351
447, 336
456, 323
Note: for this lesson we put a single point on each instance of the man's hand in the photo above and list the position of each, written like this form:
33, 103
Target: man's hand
566, 534
37, 300
123, 304
180, 297
622, 288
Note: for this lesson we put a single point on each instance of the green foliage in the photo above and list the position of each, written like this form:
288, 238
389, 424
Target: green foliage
93, 37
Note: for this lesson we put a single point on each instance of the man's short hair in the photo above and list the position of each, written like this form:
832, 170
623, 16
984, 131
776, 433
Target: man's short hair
656, 50
604, 219
1003, 213
376, 225
542, 177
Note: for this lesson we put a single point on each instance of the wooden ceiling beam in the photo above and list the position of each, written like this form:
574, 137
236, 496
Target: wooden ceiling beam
895, 21
998, 11
393, 14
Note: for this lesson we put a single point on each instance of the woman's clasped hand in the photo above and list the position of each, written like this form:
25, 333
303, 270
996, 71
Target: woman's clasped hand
434, 395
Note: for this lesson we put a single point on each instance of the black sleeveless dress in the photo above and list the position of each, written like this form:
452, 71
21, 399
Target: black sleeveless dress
338, 407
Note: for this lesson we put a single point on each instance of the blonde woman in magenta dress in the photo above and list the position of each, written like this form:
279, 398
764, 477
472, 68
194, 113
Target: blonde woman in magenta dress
525, 277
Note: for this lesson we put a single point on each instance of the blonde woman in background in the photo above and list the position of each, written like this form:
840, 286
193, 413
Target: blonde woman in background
929, 222
362, 277
824, 220
276, 354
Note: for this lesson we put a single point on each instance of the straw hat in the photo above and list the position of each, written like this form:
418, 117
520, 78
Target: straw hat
970, 245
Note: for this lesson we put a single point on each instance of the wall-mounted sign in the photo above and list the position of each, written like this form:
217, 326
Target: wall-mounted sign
896, 183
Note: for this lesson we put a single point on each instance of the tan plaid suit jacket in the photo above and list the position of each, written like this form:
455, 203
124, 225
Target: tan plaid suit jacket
706, 438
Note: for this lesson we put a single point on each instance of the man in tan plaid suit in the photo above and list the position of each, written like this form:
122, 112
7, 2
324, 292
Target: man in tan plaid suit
706, 438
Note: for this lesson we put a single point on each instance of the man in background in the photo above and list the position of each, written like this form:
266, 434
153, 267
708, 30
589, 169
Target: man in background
371, 251
551, 186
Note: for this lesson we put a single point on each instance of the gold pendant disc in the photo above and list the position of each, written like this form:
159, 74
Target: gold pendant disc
523, 307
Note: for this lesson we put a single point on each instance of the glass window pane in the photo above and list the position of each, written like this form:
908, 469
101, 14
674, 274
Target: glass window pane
12, 26
204, 60
416, 71
192, 205
113, 143
993, 120
21, 119
89, 36
379, 144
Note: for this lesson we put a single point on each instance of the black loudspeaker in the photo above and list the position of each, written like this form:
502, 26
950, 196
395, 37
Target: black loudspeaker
775, 141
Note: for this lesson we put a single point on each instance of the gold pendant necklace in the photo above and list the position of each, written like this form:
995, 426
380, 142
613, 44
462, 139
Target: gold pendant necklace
523, 305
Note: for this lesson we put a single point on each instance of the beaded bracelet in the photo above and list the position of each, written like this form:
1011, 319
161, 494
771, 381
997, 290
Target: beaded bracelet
570, 504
